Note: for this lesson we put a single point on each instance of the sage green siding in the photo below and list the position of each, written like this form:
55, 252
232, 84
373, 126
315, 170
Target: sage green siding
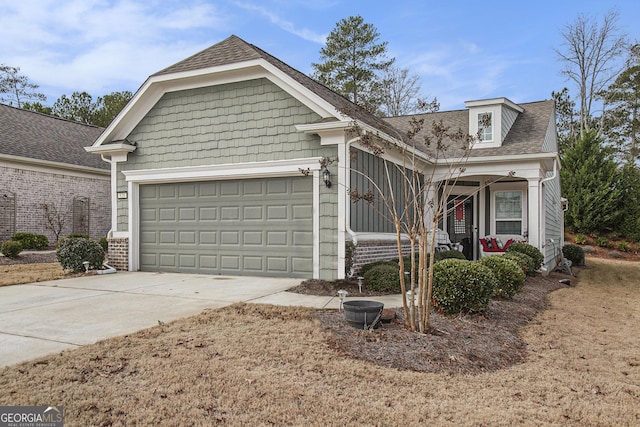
374, 218
248, 121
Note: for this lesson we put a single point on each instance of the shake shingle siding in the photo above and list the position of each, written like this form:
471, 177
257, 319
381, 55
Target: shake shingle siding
248, 121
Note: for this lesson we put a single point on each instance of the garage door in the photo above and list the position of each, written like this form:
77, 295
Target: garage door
260, 227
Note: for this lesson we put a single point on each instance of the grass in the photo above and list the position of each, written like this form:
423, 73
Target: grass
262, 365
18, 274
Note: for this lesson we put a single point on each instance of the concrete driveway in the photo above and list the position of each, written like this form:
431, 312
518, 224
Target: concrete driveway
47, 317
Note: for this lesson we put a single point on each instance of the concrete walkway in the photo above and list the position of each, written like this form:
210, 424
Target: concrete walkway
47, 317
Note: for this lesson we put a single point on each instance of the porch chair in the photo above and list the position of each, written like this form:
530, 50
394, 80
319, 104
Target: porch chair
443, 242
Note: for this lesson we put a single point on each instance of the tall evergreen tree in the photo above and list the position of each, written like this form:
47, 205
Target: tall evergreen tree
16, 87
591, 183
622, 122
352, 60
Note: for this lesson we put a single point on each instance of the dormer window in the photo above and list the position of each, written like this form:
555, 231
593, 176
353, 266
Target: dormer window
485, 126
490, 120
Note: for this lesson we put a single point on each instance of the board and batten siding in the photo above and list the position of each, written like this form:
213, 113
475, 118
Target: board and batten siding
366, 168
248, 121
550, 144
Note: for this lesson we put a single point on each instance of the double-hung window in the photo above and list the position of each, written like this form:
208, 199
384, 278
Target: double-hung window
508, 210
485, 126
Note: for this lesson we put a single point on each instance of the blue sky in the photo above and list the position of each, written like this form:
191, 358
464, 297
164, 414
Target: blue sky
461, 50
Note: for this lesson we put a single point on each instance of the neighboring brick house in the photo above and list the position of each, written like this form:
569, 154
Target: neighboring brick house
233, 162
43, 161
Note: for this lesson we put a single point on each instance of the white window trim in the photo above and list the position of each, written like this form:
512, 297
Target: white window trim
514, 187
496, 125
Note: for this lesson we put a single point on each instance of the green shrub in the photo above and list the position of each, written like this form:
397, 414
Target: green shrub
450, 254
603, 242
523, 260
581, 239
72, 252
574, 253
530, 250
11, 248
77, 236
623, 246
509, 275
461, 286
383, 278
349, 254
31, 240
365, 268
104, 243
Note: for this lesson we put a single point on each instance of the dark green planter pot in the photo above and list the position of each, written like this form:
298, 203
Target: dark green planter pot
363, 314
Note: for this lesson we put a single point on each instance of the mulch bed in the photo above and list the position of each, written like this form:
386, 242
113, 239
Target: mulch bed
35, 257
456, 344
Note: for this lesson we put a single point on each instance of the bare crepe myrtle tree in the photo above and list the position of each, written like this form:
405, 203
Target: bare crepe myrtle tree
416, 204
55, 218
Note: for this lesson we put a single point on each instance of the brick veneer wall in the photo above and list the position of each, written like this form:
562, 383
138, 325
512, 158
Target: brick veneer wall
119, 253
377, 250
32, 188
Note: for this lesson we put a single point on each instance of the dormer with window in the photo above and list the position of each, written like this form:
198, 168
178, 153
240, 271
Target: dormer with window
491, 120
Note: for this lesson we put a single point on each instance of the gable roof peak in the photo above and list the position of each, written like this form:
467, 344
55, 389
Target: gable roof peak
229, 51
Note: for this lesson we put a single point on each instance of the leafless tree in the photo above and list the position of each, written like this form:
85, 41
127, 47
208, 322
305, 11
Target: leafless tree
55, 218
589, 53
401, 94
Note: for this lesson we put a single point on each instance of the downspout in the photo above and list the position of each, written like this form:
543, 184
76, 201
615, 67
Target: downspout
114, 195
347, 183
541, 214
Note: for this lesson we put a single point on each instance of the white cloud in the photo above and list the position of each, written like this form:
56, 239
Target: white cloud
288, 26
99, 45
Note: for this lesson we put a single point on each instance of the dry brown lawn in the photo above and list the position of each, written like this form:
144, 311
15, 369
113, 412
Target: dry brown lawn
18, 274
262, 365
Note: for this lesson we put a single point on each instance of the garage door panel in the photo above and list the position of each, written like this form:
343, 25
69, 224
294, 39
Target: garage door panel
208, 213
251, 227
230, 213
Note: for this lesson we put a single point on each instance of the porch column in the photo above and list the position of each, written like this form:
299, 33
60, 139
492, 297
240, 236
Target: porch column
533, 212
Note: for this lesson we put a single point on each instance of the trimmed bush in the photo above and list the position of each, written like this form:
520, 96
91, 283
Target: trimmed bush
31, 240
365, 268
77, 236
71, 253
462, 286
523, 260
450, 254
508, 273
530, 250
573, 253
104, 243
383, 278
11, 248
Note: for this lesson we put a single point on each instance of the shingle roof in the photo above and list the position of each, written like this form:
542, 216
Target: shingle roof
37, 136
526, 135
234, 49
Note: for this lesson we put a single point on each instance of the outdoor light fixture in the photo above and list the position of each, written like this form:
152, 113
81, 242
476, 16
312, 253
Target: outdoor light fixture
360, 283
326, 177
342, 294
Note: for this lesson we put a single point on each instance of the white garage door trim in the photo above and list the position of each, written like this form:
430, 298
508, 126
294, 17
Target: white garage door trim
278, 168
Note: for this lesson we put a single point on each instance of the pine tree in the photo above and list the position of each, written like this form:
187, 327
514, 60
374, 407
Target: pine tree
352, 57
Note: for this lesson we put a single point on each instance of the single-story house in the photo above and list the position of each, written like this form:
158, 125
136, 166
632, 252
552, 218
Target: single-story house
43, 162
233, 162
